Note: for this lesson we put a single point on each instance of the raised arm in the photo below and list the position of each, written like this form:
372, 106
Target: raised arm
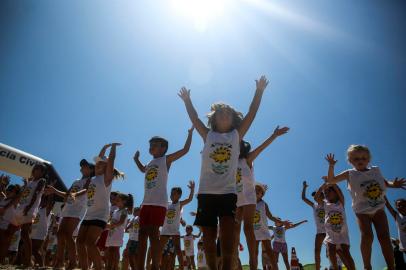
276, 133
40, 186
108, 176
103, 150
339, 193
391, 210
306, 200
296, 224
139, 164
178, 154
396, 183
52, 190
331, 178
191, 186
184, 94
261, 84
269, 214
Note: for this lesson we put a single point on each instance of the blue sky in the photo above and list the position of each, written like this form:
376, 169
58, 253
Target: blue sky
75, 75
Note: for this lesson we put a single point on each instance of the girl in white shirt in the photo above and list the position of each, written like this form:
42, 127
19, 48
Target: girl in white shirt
246, 198
98, 208
367, 187
226, 128
73, 211
400, 219
133, 228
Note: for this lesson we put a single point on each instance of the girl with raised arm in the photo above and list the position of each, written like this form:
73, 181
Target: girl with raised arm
217, 196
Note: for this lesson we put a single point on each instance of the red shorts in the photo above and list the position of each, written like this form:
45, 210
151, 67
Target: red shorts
101, 242
152, 215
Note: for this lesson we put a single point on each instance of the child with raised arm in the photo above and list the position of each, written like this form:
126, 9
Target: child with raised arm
222, 137
260, 224
279, 241
73, 211
132, 244
400, 219
367, 188
98, 208
318, 213
335, 221
189, 245
246, 198
173, 218
153, 207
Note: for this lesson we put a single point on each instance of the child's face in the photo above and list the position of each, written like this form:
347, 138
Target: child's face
259, 192
224, 120
136, 212
278, 223
156, 149
359, 160
189, 230
401, 206
119, 202
85, 170
331, 195
175, 196
113, 199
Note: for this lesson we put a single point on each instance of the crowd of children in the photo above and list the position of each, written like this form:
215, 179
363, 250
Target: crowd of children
89, 230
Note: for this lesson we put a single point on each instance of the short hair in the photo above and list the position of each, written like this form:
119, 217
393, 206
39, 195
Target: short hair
177, 189
357, 148
245, 148
189, 227
164, 142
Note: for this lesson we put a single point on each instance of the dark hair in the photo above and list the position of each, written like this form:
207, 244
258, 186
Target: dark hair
313, 193
42, 167
245, 148
189, 227
399, 200
128, 199
177, 189
16, 188
164, 143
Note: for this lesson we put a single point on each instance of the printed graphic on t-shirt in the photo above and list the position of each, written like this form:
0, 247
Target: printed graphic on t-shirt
25, 195
74, 189
151, 175
170, 215
373, 192
136, 226
221, 154
200, 257
257, 220
238, 180
91, 190
36, 219
279, 232
13, 239
320, 214
187, 244
335, 219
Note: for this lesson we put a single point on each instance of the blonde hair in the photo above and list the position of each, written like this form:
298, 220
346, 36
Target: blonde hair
117, 174
215, 107
357, 148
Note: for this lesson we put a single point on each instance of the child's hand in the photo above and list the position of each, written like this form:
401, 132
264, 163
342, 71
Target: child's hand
262, 83
330, 159
325, 179
305, 185
191, 185
280, 131
136, 155
115, 144
184, 93
399, 183
49, 190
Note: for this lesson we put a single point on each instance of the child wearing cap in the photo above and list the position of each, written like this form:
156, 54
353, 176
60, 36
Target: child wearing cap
73, 211
153, 207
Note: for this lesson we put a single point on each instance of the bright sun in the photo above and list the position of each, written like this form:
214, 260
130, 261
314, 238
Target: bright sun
200, 12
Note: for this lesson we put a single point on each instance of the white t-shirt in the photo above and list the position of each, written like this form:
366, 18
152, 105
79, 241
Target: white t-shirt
134, 229
367, 190
245, 184
201, 258
8, 216
172, 219
319, 213
39, 228
116, 235
261, 230
15, 241
76, 208
155, 183
26, 196
219, 163
401, 224
279, 233
336, 224
189, 245
98, 200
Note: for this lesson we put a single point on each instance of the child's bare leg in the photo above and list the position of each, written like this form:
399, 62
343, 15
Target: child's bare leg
248, 217
5, 239
142, 247
178, 251
332, 256
256, 255
25, 236
318, 242
227, 241
126, 259
210, 248
60, 249
36, 252
93, 234
155, 247
163, 239
70, 242
380, 222
116, 258
81, 245
271, 254
345, 255
367, 237
286, 260
192, 262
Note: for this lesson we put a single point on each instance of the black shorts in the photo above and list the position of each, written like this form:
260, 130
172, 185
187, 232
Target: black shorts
94, 222
132, 247
211, 207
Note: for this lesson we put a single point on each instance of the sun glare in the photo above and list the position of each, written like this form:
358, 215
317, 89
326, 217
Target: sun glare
200, 12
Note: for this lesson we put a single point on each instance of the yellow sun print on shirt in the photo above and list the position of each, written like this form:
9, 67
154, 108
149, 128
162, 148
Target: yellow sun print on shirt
151, 174
336, 220
321, 214
221, 154
238, 176
373, 191
36, 219
257, 218
187, 243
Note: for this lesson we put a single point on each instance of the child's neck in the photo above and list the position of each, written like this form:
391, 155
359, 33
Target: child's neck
175, 201
157, 156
